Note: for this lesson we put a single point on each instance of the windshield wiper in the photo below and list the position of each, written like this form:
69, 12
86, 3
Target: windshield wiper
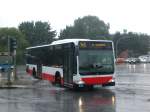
97, 65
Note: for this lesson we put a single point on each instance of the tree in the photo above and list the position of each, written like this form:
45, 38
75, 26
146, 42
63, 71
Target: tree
37, 33
88, 27
67, 33
136, 44
6, 33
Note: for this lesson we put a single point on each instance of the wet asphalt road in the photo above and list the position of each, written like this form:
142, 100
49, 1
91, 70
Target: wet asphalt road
131, 94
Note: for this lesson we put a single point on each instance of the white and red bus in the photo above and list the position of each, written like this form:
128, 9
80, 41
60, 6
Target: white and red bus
73, 62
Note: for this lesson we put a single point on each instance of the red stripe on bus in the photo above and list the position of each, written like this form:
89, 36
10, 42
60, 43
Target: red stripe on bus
49, 77
46, 76
29, 71
96, 80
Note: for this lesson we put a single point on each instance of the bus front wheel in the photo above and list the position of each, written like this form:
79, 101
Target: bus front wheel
34, 73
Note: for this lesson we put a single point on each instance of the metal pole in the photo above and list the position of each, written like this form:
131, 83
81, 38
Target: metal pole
15, 67
9, 60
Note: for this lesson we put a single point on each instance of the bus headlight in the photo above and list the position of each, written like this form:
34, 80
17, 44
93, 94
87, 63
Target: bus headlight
80, 82
112, 80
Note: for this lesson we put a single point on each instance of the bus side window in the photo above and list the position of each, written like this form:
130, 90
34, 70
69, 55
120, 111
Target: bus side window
57, 56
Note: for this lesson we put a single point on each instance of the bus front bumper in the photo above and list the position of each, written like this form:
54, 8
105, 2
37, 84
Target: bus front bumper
82, 84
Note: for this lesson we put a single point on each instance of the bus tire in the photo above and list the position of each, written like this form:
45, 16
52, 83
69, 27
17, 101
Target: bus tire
57, 78
34, 73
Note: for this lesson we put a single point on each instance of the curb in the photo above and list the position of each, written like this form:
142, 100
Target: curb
15, 87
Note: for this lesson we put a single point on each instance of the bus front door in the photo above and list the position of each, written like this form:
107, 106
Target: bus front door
68, 65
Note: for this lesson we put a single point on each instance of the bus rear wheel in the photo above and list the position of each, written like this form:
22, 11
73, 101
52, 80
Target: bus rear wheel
58, 79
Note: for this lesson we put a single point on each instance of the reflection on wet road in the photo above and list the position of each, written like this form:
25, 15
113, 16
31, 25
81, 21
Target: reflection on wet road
131, 94
56, 100
133, 88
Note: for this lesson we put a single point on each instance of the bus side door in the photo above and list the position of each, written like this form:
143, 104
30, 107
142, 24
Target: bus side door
68, 57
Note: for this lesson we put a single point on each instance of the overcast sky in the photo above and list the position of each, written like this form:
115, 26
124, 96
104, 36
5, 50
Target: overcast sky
133, 15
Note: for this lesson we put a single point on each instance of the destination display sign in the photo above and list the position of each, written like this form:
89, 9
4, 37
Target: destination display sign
95, 45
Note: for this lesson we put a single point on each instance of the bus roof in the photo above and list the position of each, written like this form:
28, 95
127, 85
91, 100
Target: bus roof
75, 41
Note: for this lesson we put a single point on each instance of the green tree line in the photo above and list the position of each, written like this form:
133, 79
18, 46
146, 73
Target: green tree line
88, 27
32, 33
136, 43
6, 33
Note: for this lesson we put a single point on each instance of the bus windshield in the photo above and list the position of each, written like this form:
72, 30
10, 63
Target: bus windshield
96, 62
